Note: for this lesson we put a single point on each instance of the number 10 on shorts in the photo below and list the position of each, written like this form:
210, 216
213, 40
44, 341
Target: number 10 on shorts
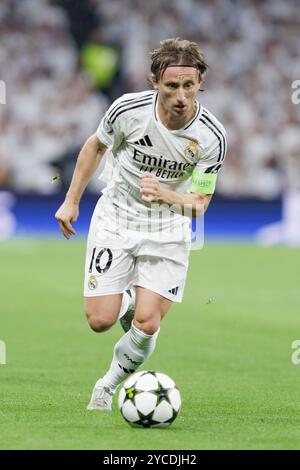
102, 260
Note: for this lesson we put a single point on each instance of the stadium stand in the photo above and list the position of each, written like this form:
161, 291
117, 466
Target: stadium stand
52, 104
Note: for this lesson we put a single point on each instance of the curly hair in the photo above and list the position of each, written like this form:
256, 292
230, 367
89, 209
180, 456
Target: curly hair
177, 51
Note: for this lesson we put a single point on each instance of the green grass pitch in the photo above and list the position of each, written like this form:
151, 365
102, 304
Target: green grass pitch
227, 346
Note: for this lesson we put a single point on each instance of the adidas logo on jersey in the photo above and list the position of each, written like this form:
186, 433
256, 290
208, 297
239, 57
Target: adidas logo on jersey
174, 290
145, 141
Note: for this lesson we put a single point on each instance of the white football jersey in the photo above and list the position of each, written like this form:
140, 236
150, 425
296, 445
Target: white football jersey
139, 142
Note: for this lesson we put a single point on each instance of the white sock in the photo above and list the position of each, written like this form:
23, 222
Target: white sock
130, 352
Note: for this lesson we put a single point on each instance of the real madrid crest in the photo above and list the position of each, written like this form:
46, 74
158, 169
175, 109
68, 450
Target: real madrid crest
92, 282
191, 150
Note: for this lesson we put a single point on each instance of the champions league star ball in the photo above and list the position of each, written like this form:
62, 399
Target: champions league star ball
149, 400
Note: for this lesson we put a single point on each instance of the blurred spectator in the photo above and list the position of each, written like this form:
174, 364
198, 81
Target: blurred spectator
7, 218
287, 230
101, 64
51, 107
83, 18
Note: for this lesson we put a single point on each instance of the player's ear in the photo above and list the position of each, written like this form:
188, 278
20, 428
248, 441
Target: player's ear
153, 81
200, 81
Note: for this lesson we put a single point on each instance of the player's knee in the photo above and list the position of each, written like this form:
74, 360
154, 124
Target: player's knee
147, 326
98, 321
99, 325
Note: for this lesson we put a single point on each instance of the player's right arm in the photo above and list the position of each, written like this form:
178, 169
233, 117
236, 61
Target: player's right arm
87, 163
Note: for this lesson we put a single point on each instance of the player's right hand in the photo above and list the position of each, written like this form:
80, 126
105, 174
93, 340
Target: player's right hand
66, 214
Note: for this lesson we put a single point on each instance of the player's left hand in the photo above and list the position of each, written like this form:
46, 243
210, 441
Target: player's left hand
150, 188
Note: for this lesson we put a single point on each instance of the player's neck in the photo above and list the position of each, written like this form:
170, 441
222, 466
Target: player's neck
172, 122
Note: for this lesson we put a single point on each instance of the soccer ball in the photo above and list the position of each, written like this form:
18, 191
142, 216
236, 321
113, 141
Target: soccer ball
149, 400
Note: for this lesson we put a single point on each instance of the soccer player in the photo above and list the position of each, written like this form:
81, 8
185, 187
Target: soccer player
167, 150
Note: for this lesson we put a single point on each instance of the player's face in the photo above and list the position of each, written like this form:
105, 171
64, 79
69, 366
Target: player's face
177, 89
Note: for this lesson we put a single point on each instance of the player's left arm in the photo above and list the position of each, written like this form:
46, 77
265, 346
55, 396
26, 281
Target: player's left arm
193, 204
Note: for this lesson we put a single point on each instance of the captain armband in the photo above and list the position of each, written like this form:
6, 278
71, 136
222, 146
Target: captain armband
203, 182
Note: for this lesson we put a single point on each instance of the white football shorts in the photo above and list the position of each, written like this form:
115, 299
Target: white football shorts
115, 264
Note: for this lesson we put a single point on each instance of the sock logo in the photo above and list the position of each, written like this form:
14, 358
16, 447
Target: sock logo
127, 371
131, 360
174, 290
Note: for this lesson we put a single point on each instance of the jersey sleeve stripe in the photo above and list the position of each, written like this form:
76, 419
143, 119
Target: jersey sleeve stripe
218, 130
148, 103
219, 140
219, 135
127, 103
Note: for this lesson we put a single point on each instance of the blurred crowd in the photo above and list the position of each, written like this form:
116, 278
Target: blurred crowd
50, 105
49, 49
